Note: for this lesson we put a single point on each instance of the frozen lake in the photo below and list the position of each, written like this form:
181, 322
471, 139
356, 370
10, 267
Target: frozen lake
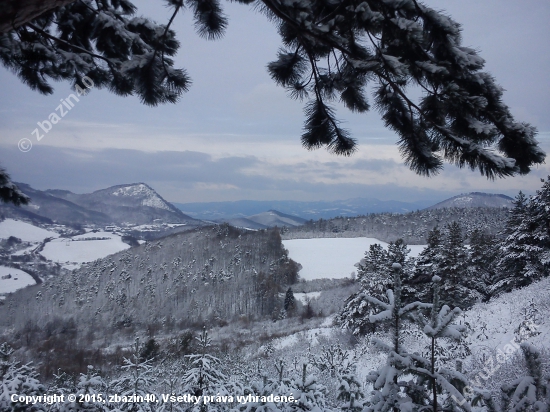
333, 257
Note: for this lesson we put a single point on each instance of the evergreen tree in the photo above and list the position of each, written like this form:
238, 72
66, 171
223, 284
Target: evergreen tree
290, 302
410, 381
149, 351
308, 393
429, 261
205, 376
375, 277
350, 393
511, 261
373, 272
482, 258
90, 384
456, 289
527, 393
137, 379
531, 392
446, 256
525, 253
453, 265
333, 51
17, 379
9, 192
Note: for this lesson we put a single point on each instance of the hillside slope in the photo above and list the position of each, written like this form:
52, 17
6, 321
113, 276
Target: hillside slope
412, 227
134, 204
475, 199
210, 275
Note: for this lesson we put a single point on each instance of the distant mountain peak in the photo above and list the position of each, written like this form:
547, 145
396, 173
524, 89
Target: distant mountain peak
475, 199
147, 195
134, 203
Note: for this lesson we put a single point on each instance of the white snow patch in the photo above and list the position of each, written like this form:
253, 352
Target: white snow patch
12, 279
303, 296
24, 251
75, 252
311, 335
151, 199
24, 231
333, 258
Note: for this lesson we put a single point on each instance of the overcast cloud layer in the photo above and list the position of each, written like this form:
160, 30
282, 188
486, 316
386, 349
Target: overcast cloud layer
236, 135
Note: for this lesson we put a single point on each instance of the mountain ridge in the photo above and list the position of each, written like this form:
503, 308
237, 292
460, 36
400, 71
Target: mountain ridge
134, 203
475, 199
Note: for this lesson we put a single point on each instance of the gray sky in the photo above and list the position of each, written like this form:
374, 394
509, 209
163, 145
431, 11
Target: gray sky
235, 135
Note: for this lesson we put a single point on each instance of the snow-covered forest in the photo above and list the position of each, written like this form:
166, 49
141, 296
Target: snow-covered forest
220, 313
412, 227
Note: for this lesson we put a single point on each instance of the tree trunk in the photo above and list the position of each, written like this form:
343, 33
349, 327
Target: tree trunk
15, 13
434, 381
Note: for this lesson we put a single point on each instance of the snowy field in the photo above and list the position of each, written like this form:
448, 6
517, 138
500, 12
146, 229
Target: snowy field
12, 279
333, 258
72, 252
302, 297
24, 231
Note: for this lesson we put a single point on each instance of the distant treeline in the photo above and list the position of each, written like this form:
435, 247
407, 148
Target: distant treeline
412, 227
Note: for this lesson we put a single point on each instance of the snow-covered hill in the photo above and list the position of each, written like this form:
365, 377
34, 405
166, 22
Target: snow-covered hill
265, 220
133, 204
475, 199
24, 231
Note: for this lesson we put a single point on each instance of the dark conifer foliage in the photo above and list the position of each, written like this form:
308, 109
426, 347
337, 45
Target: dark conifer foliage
9, 192
375, 276
332, 51
446, 256
525, 252
106, 43
290, 301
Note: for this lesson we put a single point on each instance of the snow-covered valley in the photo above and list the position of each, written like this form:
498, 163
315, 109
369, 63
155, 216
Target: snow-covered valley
128, 299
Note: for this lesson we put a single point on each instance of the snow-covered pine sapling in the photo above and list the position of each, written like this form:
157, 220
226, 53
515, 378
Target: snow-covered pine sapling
309, 394
280, 369
17, 379
136, 379
440, 325
205, 377
423, 382
387, 392
91, 383
290, 301
350, 393
334, 360
531, 392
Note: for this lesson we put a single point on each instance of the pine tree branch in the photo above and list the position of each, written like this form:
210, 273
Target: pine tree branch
74, 46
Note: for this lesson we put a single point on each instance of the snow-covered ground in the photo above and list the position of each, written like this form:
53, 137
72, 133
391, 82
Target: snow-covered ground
24, 231
493, 329
506, 318
12, 279
301, 297
333, 258
74, 251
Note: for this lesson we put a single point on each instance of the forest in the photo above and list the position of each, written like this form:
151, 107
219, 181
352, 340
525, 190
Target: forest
211, 314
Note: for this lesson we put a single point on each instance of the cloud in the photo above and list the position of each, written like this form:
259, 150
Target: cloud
194, 176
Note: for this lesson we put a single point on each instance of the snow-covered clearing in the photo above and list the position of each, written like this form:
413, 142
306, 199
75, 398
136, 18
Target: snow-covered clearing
507, 318
77, 250
12, 279
502, 323
333, 258
24, 231
301, 297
